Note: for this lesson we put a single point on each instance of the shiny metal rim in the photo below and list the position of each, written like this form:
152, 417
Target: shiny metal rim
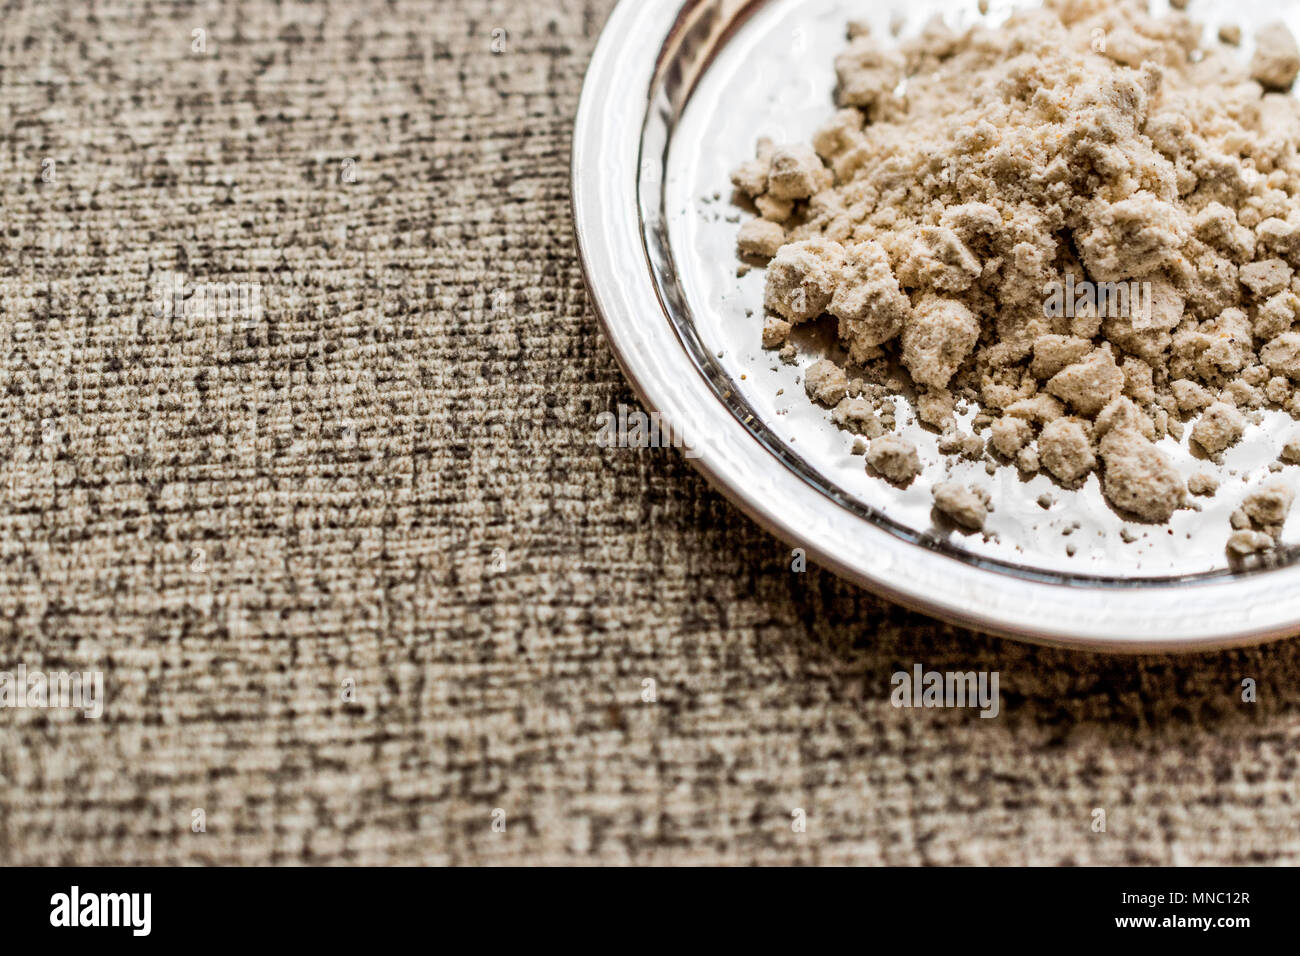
607, 161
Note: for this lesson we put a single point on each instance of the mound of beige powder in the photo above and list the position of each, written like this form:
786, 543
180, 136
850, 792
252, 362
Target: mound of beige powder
1083, 222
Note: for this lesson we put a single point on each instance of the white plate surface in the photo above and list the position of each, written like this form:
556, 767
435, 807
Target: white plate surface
675, 97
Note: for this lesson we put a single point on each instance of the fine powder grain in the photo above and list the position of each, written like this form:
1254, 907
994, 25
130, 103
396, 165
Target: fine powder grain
1083, 223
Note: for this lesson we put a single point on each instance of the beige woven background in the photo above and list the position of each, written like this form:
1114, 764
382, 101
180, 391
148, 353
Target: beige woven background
390, 478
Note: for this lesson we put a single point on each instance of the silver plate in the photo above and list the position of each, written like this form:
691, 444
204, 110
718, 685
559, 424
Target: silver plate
675, 97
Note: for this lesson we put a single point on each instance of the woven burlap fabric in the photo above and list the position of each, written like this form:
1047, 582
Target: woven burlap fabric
357, 575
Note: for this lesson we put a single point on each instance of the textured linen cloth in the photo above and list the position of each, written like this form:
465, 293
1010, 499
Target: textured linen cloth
361, 584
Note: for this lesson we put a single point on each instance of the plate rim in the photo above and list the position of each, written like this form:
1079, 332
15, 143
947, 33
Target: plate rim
605, 169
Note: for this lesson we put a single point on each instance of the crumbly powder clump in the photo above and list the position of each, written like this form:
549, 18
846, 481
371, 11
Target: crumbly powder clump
1219, 427
826, 382
759, 237
1095, 244
1259, 520
895, 458
967, 507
